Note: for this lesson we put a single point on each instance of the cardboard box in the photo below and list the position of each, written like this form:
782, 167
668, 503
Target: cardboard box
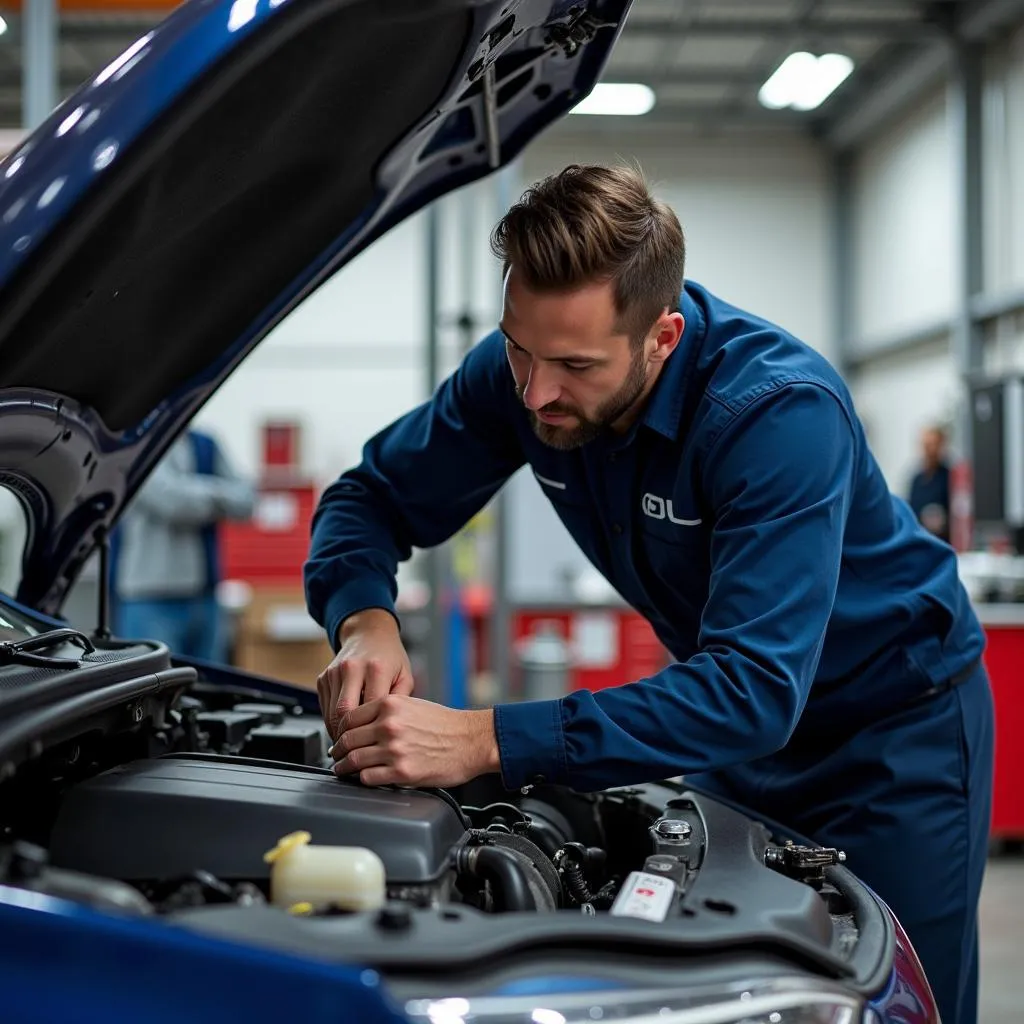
291, 662
276, 637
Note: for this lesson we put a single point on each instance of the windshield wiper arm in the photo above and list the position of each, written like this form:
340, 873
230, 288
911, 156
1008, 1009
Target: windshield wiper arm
20, 652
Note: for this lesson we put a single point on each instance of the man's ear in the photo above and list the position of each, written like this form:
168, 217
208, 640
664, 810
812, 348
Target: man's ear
666, 333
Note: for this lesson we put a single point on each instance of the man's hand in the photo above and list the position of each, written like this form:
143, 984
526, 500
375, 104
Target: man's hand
371, 663
405, 741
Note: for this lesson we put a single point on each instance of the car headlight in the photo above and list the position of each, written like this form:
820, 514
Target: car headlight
784, 1001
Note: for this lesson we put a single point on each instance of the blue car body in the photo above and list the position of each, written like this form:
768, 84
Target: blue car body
75, 455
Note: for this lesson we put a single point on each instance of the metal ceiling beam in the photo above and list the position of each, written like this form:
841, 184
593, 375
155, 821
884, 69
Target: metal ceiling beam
897, 89
861, 353
982, 21
761, 27
999, 304
673, 118
919, 72
688, 76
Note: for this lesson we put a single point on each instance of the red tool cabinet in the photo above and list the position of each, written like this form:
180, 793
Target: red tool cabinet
638, 653
1004, 659
628, 648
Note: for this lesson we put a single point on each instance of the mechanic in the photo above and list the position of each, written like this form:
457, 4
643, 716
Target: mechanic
929, 487
827, 663
165, 553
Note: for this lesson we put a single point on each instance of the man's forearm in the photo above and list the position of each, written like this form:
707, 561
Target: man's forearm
484, 741
366, 619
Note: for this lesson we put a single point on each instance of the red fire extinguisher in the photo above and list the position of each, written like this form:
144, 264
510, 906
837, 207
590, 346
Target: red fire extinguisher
961, 506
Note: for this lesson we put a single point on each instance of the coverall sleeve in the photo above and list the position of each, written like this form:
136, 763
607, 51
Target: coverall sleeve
419, 481
778, 479
181, 499
237, 495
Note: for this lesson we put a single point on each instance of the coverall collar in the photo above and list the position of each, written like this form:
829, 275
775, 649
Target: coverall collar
664, 411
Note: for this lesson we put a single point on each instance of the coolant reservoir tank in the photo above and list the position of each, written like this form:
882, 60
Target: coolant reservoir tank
347, 877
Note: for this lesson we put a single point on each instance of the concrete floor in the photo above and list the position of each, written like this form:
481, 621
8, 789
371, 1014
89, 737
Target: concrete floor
1002, 941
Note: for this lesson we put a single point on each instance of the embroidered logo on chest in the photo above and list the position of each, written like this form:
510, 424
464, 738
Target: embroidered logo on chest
661, 508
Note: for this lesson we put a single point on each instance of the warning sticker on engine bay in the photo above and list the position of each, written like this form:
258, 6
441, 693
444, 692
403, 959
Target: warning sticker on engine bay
645, 896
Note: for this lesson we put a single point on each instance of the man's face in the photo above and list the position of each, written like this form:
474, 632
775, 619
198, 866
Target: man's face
576, 371
933, 447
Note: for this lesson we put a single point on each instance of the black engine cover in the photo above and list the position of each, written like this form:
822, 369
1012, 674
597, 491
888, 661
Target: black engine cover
166, 817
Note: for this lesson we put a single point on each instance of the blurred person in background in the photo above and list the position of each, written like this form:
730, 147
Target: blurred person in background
166, 563
929, 488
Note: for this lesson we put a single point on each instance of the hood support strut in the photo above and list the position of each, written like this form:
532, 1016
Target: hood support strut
103, 611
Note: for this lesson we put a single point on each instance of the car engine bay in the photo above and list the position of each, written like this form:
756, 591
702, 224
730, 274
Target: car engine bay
213, 807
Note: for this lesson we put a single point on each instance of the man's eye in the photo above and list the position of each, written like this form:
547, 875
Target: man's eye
578, 366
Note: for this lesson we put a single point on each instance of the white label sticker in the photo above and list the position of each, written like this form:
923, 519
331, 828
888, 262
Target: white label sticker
277, 511
595, 639
645, 896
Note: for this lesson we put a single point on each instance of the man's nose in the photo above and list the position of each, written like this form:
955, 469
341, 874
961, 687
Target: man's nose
541, 389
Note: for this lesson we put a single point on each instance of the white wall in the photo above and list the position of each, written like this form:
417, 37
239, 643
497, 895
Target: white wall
343, 364
904, 261
352, 357
896, 397
754, 210
905, 267
1003, 179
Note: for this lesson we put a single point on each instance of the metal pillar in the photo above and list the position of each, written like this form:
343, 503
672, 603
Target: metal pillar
467, 322
501, 612
436, 557
842, 256
433, 266
458, 673
39, 41
965, 121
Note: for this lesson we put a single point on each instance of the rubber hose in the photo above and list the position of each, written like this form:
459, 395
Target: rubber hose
606, 896
536, 861
576, 883
504, 872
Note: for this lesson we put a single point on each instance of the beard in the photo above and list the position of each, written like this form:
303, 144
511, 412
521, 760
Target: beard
588, 428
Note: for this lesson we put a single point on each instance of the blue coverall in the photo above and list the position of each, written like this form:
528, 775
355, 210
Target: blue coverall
827, 664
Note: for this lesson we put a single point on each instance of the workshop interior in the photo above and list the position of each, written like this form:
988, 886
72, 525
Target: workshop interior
850, 170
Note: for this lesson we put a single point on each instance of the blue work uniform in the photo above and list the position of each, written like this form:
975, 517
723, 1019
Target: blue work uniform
929, 499
827, 659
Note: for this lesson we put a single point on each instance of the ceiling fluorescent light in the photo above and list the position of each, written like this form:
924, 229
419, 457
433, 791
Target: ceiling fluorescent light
803, 81
622, 99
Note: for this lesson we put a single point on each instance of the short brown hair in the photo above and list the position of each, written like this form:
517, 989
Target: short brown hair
592, 223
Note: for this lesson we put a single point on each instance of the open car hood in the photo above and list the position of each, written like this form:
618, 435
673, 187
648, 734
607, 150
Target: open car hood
172, 211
